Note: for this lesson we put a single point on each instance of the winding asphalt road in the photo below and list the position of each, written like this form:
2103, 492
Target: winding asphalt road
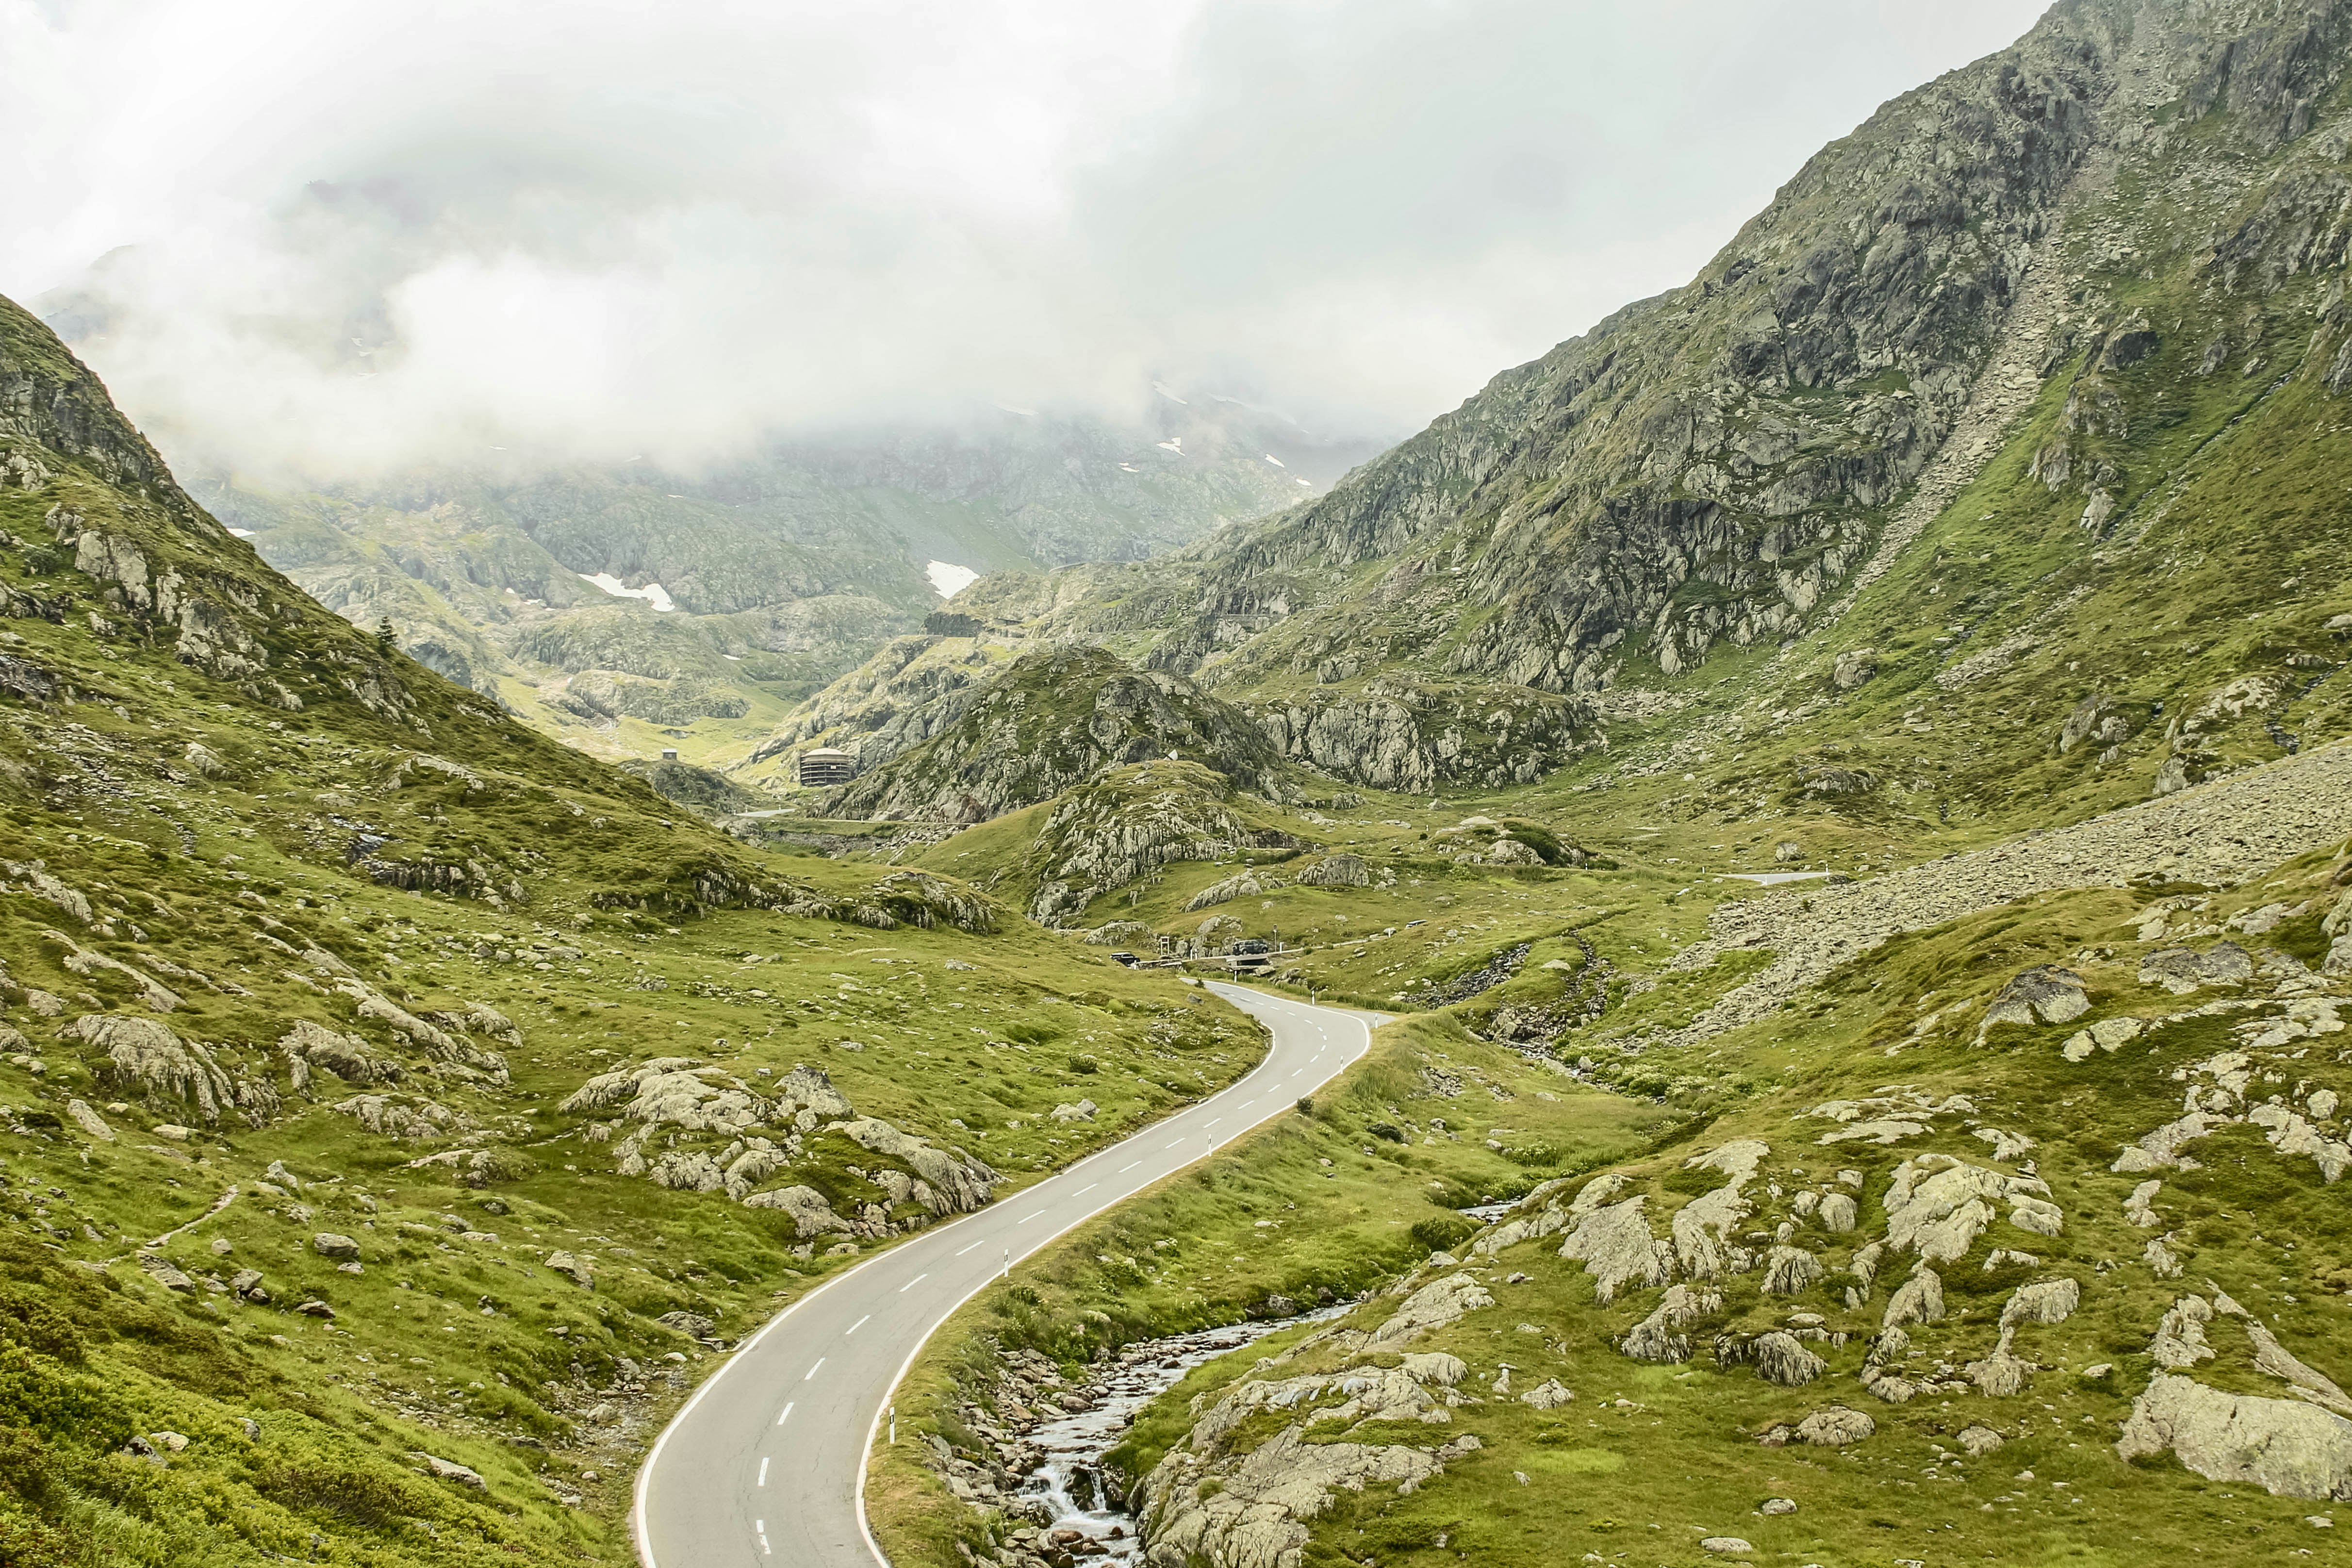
766, 1464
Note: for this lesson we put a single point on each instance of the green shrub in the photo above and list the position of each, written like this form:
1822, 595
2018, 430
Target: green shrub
1443, 1232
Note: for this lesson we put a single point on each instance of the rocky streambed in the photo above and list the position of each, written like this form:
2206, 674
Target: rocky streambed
1050, 1434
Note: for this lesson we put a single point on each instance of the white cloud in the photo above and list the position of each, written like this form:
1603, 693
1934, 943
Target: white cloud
337, 236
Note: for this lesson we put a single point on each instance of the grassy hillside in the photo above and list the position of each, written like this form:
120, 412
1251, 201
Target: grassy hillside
1960, 543
307, 956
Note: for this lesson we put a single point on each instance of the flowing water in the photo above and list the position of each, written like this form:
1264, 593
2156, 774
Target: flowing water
1070, 1477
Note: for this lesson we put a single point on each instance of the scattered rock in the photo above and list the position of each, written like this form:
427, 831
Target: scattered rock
2106, 1035
581, 1272
1780, 1358
89, 1120
166, 1273
1618, 1250
1084, 1110
327, 1244
450, 1470
2044, 994
2181, 970
1835, 1426
1727, 1546
1657, 1338
1979, 1440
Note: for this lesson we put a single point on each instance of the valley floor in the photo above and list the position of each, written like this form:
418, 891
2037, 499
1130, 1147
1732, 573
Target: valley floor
1983, 1210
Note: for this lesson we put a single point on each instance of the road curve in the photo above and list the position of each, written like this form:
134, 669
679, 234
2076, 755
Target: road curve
766, 1463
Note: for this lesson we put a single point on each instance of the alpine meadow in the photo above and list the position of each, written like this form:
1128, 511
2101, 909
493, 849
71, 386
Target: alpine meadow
1739, 951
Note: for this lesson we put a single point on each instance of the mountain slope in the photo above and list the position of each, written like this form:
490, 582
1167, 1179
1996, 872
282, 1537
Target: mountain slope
398, 1108
741, 590
2041, 344
1968, 543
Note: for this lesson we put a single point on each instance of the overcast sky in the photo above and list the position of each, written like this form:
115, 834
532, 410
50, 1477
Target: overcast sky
336, 237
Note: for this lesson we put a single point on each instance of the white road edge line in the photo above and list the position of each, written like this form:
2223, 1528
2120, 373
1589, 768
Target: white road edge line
641, 1530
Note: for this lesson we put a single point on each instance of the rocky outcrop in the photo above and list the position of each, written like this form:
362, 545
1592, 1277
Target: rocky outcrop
309, 1045
1258, 1517
2287, 1448
1435, 1305
389, 1116
959, 1182
1618, 1250
1124, 827
1832, 1426
806, 1207
2045, 994
145, 1058
1048, 723
1341, 870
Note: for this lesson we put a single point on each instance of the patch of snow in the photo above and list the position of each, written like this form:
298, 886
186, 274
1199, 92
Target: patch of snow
1024, 413
1308, 483
1774, 879
652, 593
949, 579
240, 533
1173, 443
736, 658
1277, 462
1130, 467
1164, 390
